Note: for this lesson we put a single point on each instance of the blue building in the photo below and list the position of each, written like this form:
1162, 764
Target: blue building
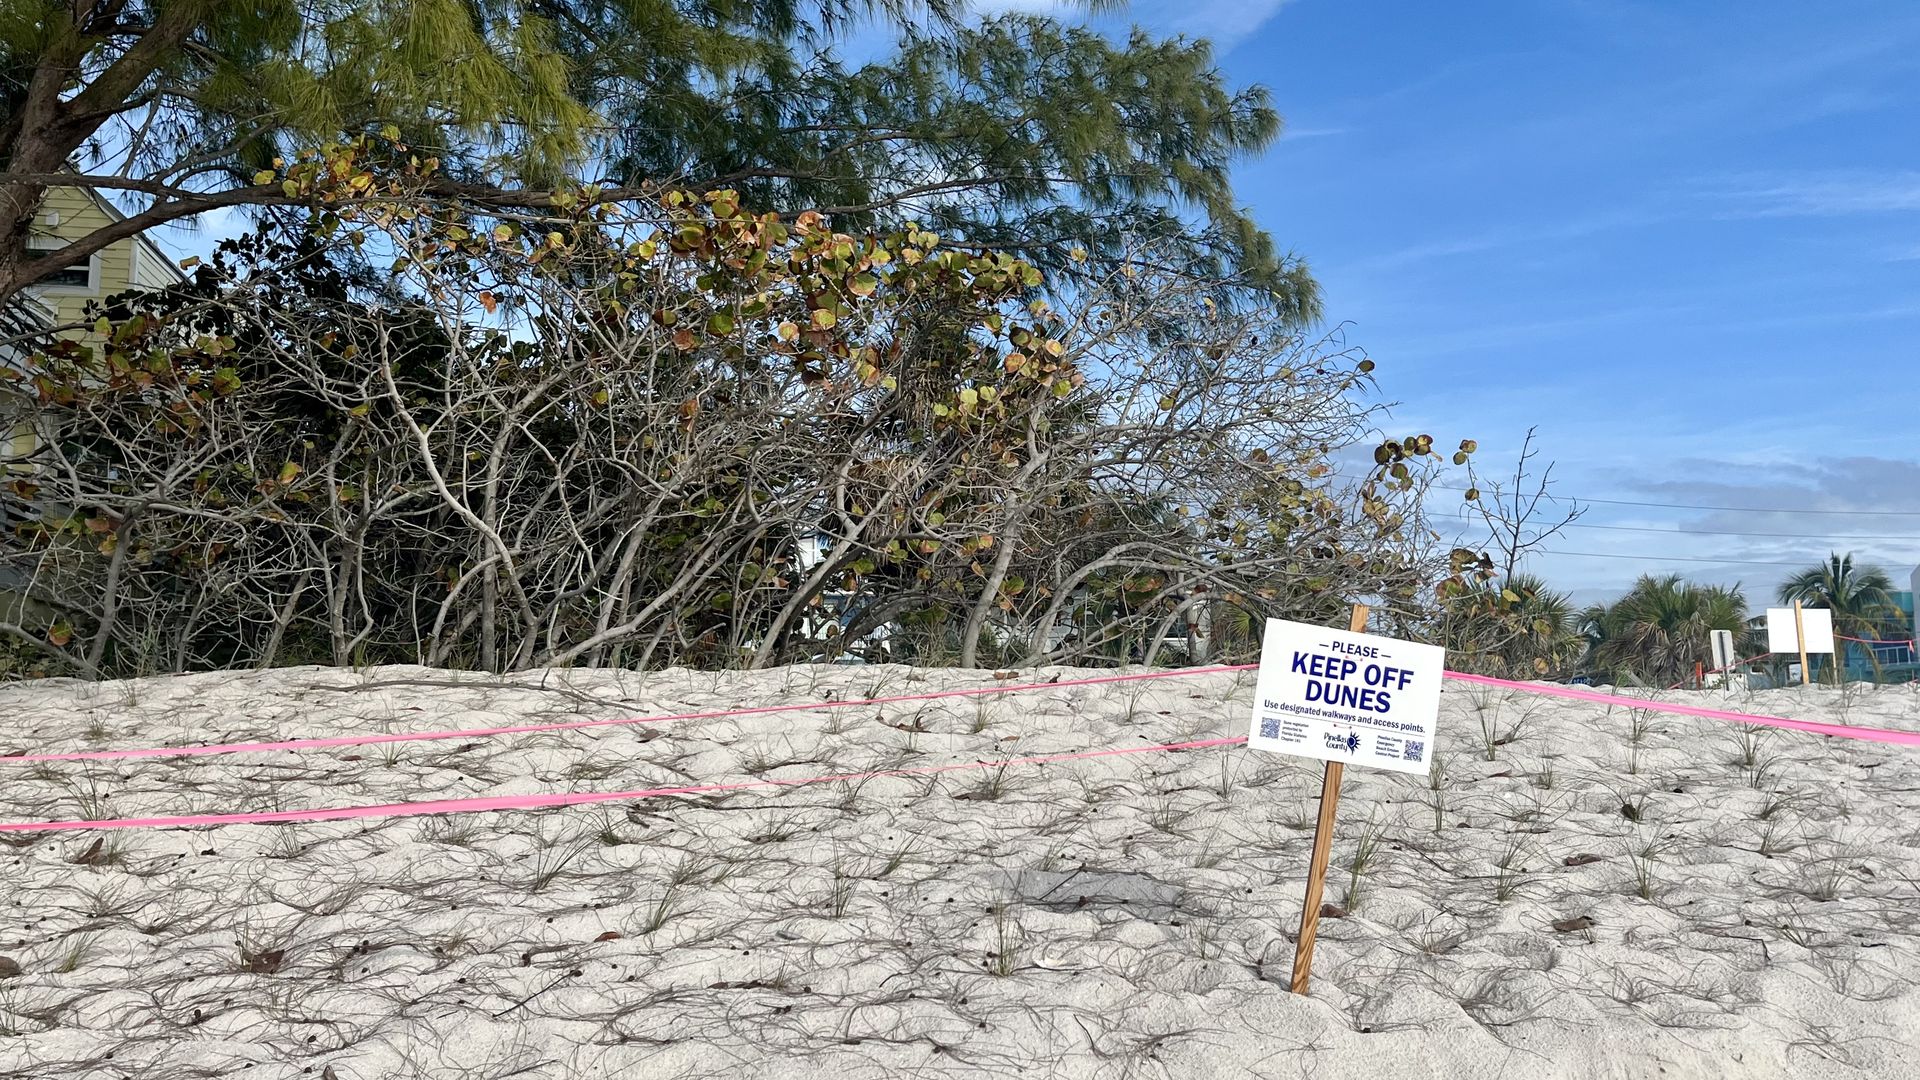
1891, 660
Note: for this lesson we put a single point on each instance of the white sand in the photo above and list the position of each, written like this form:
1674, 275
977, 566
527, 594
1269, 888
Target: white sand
1128, 916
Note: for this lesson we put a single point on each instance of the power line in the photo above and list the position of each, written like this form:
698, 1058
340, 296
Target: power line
1728, 509
1704, 506
1676, 558
1910, 537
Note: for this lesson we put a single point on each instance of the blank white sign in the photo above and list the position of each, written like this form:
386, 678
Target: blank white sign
1723, 655
1818, 622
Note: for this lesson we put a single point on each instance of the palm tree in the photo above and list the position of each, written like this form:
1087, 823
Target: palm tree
1516, 628
1860, 597
1661, 628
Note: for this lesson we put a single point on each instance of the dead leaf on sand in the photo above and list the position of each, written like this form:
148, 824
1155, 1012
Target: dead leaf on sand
265, 962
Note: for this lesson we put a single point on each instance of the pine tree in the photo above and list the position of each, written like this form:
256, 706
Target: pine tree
1017, 133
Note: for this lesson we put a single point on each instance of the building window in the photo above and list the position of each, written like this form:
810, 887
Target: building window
81, 277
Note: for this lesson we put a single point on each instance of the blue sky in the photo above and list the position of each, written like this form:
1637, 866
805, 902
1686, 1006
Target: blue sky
1682, 239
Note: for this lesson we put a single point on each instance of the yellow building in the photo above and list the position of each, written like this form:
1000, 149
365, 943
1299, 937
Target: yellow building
67, 214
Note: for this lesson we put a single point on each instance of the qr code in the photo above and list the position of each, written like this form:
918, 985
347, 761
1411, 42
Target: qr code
1269, 729
1413, 750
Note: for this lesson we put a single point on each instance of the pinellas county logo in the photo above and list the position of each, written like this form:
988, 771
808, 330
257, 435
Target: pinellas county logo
1348, 742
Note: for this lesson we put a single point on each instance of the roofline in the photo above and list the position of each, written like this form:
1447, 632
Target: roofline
106, 206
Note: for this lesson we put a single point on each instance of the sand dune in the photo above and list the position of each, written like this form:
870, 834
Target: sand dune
1583, 893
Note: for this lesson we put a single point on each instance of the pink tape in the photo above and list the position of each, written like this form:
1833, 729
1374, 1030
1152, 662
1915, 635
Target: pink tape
579, 725
1908, 642
558, 799
553, 799
1843, 731
1729, 667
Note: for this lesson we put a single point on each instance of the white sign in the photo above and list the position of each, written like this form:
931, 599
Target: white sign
1781, 639
1723, 654
1339, 696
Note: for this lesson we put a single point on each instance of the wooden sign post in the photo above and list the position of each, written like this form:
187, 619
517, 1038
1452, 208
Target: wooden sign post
1343, 697
1800, 635
1322, 853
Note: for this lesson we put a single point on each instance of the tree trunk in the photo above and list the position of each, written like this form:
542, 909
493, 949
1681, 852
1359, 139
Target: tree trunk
989, 593
288, 611
46, 129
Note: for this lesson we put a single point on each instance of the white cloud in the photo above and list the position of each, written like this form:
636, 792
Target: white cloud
1796, 507
1224, 22
1823, 194
1480, 337
1294, 134
1031, 7
1505, 236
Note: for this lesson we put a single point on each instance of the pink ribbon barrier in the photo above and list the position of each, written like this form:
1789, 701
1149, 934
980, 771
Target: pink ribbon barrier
1723, 670
1814, 727
557, 799
581, 725
561, 798
1908, 642
1550, 689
